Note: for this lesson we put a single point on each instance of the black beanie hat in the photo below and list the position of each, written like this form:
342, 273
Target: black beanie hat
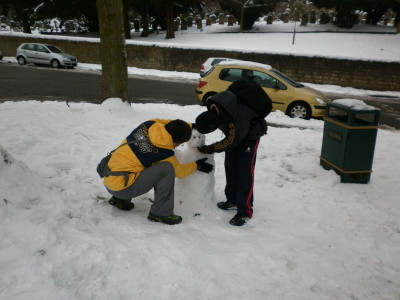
207, 122
179, 130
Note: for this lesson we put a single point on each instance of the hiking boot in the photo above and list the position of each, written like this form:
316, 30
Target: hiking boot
121, 203
226, 205
170, 220
238, 220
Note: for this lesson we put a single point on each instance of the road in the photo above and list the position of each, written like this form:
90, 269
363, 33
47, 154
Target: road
43, 83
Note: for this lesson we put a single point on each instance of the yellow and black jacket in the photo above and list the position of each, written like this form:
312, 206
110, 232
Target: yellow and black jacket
149, 144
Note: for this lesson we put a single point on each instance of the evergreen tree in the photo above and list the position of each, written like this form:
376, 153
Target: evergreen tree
377, 8
23, 9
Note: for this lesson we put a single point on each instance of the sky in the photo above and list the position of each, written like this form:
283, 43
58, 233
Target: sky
311, 236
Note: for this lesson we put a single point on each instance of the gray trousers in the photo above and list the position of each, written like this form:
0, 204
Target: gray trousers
161, 177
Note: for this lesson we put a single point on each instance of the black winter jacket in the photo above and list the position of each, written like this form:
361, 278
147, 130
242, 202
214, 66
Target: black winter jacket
237, 121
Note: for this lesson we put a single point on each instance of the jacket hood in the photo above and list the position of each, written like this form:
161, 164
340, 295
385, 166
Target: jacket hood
160, 137
230, 103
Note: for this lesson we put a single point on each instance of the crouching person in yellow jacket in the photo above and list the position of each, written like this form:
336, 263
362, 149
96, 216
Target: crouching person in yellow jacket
146, 160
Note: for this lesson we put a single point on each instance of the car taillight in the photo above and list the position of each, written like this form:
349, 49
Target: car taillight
202, 83
202, 68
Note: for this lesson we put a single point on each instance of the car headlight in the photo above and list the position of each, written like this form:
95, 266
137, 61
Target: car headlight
320, 100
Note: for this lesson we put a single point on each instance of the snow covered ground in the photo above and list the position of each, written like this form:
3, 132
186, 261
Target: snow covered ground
363, 41
311, 237
376, 42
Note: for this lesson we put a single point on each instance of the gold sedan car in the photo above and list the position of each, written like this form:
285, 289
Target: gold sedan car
288, 96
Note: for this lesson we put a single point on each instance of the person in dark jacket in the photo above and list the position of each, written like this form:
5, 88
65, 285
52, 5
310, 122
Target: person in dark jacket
243, 129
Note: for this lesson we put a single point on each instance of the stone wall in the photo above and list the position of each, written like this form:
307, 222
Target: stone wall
371, 75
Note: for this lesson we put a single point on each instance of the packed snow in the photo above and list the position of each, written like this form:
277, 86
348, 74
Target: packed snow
289, 38
355, 104
311, 236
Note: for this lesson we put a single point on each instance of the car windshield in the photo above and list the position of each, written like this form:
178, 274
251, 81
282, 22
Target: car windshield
287, 79
54, 49
217, 60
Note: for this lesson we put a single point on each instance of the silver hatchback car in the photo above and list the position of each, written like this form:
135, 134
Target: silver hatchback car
43, 54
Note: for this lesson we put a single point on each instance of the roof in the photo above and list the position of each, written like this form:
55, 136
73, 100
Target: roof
245, 63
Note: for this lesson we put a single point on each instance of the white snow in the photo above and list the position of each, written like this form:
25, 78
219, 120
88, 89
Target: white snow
310, 40
246, 63
311, 237
195, 193
354, 104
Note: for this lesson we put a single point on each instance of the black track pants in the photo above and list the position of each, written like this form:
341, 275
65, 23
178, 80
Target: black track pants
239, 171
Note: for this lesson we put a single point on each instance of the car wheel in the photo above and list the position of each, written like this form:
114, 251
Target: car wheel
21, 60
299, 110
55, 63
207, 97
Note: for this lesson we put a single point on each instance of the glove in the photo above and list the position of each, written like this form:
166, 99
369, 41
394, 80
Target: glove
207, 149
202, 166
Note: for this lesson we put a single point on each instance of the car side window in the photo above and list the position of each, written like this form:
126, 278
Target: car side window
30, 47
247, 74
229, 74
41, 48
267, 81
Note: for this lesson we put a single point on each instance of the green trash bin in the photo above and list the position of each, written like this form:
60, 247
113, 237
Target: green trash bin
350, 129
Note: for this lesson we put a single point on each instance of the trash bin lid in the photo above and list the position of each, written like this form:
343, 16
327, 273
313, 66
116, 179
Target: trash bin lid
352, 112
353, 105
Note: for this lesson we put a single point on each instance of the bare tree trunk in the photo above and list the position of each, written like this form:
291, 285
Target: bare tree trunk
242, 15
145, 21
127, 24
170, 23
114, 79
345, 17
25, 22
